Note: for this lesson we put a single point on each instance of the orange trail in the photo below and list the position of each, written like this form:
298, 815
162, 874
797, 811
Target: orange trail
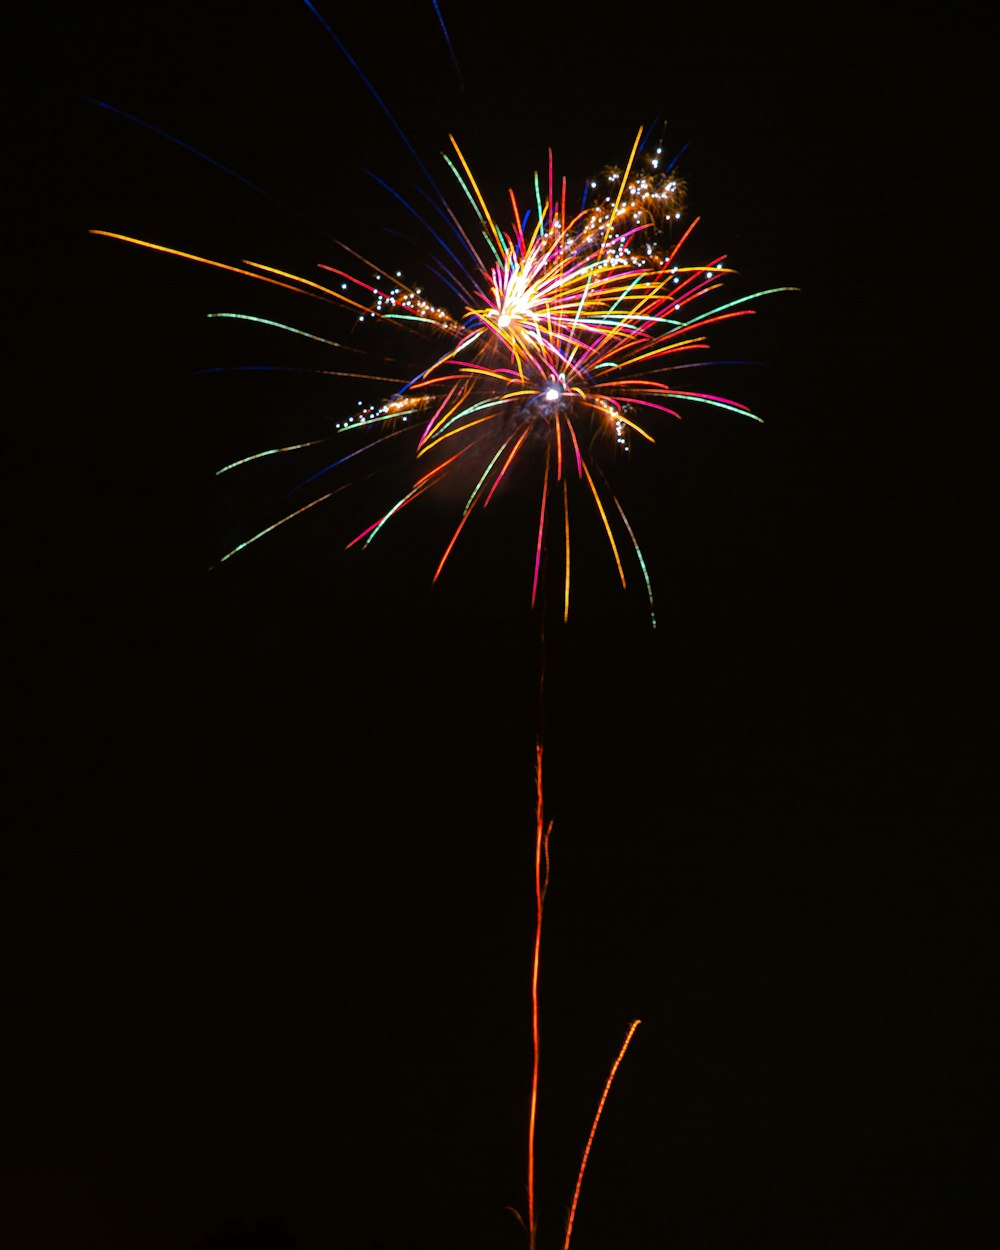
541, 882
593, 1129
566, 586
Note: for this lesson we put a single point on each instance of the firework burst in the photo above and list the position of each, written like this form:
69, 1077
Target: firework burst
559, 356
554, 355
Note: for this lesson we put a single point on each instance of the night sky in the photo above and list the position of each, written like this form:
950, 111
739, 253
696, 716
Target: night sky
268, 882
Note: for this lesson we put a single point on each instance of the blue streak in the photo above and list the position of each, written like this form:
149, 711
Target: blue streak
375, 95
188, 148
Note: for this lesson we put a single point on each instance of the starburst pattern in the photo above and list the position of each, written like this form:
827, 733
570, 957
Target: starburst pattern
569, 328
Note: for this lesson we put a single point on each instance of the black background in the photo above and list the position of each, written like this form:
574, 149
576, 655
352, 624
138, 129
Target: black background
269, 878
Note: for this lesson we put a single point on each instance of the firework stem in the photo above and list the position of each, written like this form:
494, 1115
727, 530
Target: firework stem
542, 833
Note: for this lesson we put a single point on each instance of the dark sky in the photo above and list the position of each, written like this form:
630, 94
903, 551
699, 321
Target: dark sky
269, 877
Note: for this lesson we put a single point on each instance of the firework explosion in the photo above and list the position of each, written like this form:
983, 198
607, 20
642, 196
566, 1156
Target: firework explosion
570, 323
554, 354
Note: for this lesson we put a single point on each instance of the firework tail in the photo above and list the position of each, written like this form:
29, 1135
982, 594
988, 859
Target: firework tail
542, 833
593, 1130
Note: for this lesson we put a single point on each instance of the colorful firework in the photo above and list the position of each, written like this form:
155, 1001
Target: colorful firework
569, 325
554, 356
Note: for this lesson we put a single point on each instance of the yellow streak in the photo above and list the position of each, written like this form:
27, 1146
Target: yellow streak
459, 429
218, 264
664, 349
479, 195
604, 518
621, 189
306, 282
632, 426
